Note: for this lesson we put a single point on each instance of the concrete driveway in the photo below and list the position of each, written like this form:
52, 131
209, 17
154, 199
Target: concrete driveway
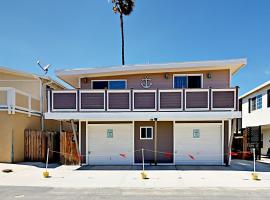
236, 165
235, 176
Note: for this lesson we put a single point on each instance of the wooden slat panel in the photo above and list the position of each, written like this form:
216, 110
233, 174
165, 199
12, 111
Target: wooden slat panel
36, 144
197, 99
144, 100
223, 99
92, 100
170, 100
119, 100
64, 100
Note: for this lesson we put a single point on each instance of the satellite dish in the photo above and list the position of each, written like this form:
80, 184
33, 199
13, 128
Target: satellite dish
44, 68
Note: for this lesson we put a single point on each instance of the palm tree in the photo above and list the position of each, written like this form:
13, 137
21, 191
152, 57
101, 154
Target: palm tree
123, 7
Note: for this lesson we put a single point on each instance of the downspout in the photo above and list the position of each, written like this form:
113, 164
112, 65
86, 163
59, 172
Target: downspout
41, 104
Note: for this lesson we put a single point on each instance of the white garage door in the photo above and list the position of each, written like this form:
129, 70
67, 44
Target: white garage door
198, 144
110, 144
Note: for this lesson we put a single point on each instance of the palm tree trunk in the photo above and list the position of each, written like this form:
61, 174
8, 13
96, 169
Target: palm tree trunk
123, 42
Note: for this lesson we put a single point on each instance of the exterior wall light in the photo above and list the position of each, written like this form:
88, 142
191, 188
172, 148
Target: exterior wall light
209, 75
166, 76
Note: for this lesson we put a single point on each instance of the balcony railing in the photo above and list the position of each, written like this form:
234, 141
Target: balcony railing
13, 100
143, 100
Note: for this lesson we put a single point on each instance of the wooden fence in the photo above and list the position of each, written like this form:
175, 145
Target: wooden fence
68, 150
36, 144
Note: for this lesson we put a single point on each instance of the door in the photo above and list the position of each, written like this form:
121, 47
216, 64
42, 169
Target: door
110, 144
198, 144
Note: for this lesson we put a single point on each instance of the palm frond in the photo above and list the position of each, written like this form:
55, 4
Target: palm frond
126, 6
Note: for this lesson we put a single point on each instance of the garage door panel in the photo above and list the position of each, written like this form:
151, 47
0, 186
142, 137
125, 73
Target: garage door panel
115, 150
204, 150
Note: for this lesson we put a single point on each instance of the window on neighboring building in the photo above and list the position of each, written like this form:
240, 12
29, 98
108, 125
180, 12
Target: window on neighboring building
187, 81
146, 132
259, 101
256, 102
253, 103
268, 98
111, 84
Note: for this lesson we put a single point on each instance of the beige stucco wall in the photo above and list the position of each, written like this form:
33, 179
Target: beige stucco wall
219, 79
25, 84
15, 124
3, 97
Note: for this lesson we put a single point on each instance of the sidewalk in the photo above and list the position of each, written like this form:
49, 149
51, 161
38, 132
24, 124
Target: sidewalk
100, 177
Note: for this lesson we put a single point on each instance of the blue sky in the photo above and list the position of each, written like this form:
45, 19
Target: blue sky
86, 33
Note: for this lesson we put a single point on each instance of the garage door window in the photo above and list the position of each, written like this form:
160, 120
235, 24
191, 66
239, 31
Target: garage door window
146, 133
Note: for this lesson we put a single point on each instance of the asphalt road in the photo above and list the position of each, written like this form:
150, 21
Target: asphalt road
38, 193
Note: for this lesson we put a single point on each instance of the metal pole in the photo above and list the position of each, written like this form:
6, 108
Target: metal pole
47, 159
254, 160
143, 159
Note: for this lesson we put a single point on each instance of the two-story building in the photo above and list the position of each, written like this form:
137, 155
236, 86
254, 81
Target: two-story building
178, 113
256, 113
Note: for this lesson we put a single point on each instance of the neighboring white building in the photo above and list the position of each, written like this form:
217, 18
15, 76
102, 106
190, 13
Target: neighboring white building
256, 111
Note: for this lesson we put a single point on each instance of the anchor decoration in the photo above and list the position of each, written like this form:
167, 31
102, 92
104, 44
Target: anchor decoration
146, 82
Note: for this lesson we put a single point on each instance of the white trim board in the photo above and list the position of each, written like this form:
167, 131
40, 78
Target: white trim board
144, 116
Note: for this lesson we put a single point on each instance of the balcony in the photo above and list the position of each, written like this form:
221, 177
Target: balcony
13, 100
129, 100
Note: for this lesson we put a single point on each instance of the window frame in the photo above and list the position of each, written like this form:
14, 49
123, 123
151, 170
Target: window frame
268, 98
108, 80
254, 102
187, 75
146, 127
257, 97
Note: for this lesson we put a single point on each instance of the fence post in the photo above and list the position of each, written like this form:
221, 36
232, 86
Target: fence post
47, 158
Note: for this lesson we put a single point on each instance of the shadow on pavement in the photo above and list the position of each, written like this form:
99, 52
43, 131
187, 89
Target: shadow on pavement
40, 164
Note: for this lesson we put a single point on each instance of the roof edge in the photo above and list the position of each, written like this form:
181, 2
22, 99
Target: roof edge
138, 67
265, 84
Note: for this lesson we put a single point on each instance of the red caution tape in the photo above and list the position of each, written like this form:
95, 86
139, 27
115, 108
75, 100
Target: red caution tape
167, 154
191, 156
122, 155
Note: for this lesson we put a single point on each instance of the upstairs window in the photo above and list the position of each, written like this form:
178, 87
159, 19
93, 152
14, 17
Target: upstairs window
187, 81
110, 84
259, 101
256, 102
253, 103
268, 98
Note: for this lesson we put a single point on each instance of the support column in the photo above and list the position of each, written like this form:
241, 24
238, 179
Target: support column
155, 135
